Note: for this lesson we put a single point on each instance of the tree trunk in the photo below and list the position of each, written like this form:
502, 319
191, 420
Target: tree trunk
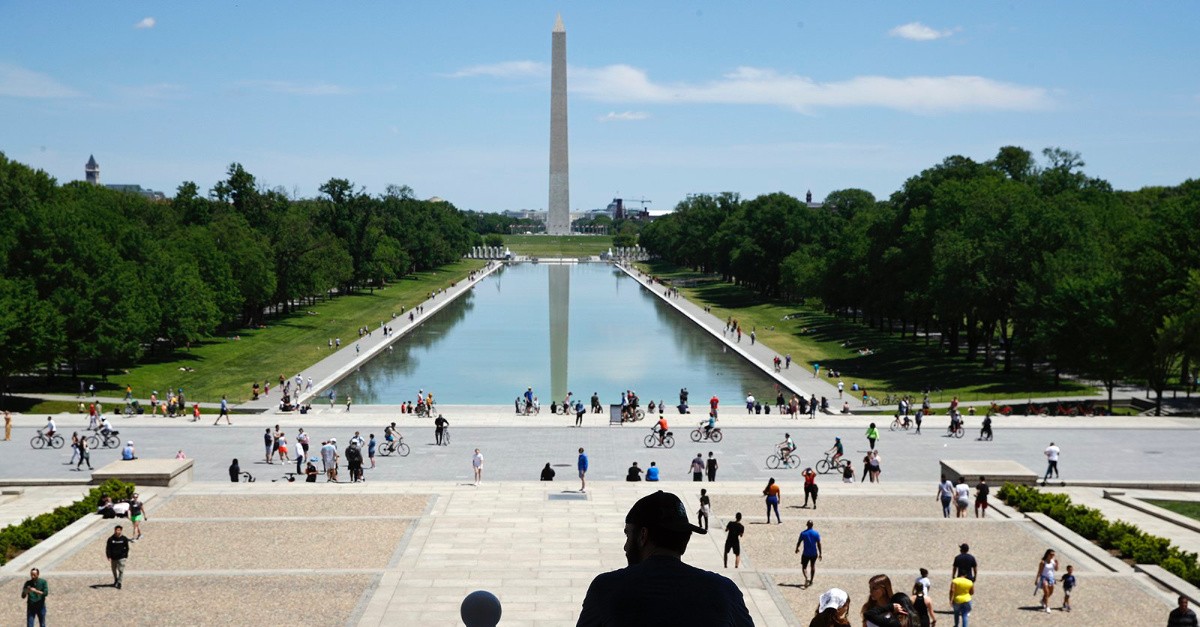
1109, 385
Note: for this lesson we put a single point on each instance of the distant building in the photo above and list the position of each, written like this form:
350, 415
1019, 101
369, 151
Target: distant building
91, 172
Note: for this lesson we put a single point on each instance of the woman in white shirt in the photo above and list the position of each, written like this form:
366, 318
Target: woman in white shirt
1045, 577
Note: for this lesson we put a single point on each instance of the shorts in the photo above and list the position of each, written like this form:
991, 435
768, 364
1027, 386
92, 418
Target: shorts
1046, 580
734, 546
283, 451
137, 517
805, 560
963, 503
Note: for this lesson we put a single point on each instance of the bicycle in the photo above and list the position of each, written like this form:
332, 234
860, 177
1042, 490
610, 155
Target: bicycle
699, 434
396, 446
652, 440
41, 440
826, 466
103, 440
901, 424
633, 415
424, 411
775, 461
956, 431
446, 436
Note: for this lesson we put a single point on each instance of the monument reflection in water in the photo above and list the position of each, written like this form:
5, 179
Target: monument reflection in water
604, 333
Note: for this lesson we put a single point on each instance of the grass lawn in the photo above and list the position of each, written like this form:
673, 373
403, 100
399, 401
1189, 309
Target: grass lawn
897, 366
1191, 509
285, 346
558, 245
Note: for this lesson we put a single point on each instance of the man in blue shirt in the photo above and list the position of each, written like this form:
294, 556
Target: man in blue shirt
583, 466
811, 540
657, 588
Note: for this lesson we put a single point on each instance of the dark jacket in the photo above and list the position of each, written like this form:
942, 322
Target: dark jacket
117, 547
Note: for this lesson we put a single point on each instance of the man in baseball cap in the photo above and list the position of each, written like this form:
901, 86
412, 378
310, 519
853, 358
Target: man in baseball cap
657, 588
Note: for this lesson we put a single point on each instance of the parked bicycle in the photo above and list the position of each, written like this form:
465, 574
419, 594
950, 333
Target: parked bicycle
700, 434
41, 440
395, 446
667, 440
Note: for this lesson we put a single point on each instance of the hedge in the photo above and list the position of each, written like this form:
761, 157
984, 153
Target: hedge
1130, 541
18, 538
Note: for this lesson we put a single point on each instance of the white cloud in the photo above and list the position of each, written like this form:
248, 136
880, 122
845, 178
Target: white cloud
18, 82
917, 31
508, 69
747, 85
318, 88
623, 116
146, 22
757, 86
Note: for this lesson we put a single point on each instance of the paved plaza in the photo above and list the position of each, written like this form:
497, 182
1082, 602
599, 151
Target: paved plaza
407, 553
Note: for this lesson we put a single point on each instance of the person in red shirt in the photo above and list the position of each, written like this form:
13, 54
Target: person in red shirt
810, 486
712, 404
662, 428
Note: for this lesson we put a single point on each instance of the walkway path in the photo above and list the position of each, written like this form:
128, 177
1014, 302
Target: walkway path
407, 553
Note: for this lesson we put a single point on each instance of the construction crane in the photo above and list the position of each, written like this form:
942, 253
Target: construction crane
622, 202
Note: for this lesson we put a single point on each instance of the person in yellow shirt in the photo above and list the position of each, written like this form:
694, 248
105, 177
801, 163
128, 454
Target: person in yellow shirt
961, 590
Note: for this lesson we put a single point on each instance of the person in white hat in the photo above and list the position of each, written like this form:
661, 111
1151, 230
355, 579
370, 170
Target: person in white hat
832, 609
128, 453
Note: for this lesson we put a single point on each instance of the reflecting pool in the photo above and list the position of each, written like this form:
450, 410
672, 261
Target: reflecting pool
584, 328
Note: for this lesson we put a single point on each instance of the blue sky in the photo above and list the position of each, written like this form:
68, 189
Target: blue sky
666, 98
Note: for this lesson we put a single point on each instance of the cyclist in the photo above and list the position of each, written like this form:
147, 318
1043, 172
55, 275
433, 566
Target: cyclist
955, 422
50, 429
785, 448
390, 433
986, 432
105, 427
710, 425
838, 451
660, 428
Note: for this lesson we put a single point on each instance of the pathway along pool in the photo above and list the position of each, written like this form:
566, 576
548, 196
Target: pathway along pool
581, 327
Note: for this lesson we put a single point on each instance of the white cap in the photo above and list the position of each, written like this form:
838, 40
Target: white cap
129, 443
833, 597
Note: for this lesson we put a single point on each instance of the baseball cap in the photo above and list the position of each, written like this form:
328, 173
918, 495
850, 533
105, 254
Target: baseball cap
661, 510
129, 443
833, 597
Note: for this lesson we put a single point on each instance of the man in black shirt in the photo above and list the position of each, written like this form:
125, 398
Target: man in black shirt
439, 428
733, 540
965, 564
657, 588
1182, 616
117, 550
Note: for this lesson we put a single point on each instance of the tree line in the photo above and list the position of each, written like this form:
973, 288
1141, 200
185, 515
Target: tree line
1011, 261
92, 278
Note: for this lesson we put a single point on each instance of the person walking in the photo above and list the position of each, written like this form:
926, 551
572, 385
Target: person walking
477, 465
734, 530
7, 426
137, 514
439, 430
34, 592
705, 509
772, 494
116, 549
965, 564
582, 465
85, 456
811, 542
981, 498
872, 436
224, 412
961, 590
810, 486
711, 467
946, 494
962, 498
1051, 453
698, 468
1182, 616
1045, 577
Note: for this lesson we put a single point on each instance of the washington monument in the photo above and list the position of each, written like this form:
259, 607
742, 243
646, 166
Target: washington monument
558, 214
